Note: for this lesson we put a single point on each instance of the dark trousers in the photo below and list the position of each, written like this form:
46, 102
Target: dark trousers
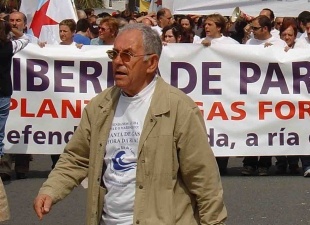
255, 161
54, 160
284, 161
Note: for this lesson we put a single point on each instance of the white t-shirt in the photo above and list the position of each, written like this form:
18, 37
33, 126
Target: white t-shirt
273, 40
158, 29
302, 42
121, 156
221, 40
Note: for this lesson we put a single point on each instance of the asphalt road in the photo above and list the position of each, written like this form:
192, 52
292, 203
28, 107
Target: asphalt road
272, 200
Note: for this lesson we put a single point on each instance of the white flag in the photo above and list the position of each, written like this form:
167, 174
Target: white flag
155, 5
43, 17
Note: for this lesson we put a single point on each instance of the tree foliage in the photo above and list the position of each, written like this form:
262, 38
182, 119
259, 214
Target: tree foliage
84, 4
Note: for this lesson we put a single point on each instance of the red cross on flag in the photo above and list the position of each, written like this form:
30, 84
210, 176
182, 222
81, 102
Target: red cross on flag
43, 17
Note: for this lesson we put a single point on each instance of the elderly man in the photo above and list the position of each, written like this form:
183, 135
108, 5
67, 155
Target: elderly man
164, 18
143, 145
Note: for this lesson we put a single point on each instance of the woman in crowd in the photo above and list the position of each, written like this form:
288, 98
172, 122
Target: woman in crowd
171, 34
288, 32
108, 30
7, 49
67, 30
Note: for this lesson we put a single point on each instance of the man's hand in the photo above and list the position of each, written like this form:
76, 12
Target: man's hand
42, 205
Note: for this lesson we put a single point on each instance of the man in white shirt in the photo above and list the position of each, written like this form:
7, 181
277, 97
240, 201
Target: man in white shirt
261, 28
304, 40
269, 13
214, 27
300, 22
143, 145
164, 18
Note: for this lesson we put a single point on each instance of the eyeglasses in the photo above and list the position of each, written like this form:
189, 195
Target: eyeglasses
125, 56
169, 18
103, 28
255, 28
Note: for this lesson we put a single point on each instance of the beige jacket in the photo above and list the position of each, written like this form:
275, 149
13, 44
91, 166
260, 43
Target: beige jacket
177, 177
4, 206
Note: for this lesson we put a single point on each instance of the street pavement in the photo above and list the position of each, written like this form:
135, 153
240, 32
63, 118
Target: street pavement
272, 200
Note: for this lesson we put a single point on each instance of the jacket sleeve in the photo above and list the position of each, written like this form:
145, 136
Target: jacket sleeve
72, 166
198, 166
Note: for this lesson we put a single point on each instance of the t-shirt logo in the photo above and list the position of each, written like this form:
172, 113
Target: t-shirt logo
120, 164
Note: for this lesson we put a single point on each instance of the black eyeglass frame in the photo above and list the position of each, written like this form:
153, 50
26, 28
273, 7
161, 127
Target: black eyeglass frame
256, 28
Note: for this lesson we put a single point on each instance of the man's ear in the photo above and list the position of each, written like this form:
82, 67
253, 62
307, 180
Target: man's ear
152, 61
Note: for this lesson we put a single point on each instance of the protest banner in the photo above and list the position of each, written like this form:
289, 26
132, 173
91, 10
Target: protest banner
255, 100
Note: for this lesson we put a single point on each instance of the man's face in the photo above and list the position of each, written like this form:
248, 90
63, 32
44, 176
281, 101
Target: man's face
166, 19
17, 21
278, 23
130, 73
65, 34
258, 31
185, 24
288, 36
104, 31
211, 29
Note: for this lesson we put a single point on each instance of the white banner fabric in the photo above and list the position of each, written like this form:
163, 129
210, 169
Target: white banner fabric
285, 8
255, 100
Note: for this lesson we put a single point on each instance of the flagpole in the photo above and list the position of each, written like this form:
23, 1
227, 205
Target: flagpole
74, 8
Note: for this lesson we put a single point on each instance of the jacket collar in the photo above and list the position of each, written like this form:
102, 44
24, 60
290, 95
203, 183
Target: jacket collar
160, 104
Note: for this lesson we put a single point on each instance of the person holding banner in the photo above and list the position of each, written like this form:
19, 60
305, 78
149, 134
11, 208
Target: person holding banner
18, 22
261, 27
215, 26
143, 145
304, 40
7, 49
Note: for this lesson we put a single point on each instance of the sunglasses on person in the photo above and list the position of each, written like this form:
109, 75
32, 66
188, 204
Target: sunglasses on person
255, 28
103, 28
125, 56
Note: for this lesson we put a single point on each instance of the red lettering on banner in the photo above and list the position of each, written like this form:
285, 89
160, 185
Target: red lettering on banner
23, 109
279, 112
200, 104
217, 110
49, 108
14, 104
284, 110
304, 107
236, 109
75, 110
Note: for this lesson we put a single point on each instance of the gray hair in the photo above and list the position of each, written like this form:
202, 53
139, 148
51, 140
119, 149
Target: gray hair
151, 39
